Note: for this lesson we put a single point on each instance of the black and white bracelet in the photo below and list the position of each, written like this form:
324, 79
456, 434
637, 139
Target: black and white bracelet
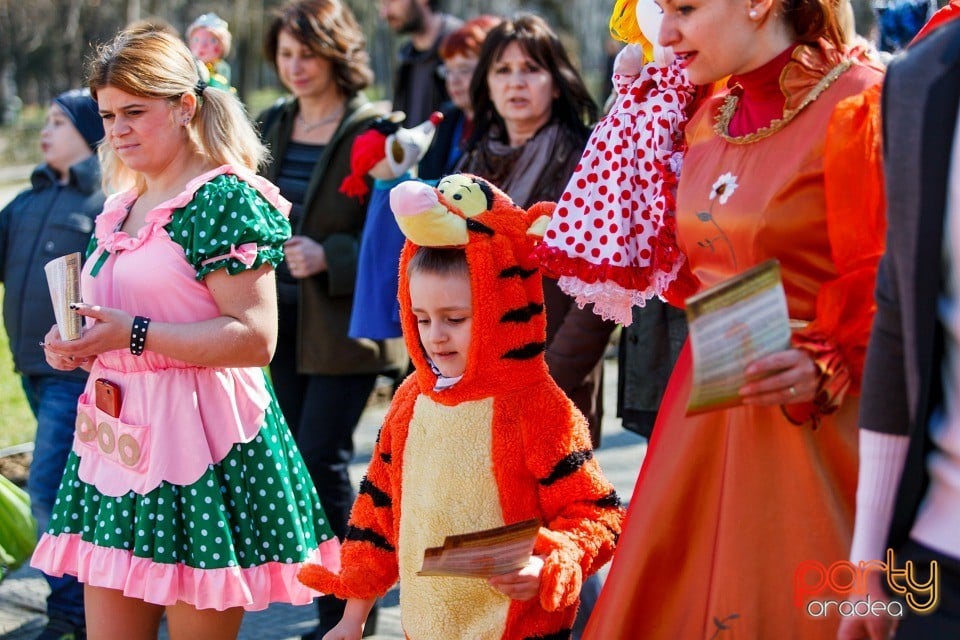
138, 335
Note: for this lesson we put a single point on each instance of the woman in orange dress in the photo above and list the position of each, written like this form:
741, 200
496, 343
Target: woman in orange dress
731, 505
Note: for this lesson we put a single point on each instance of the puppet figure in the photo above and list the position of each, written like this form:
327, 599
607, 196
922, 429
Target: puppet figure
611, 240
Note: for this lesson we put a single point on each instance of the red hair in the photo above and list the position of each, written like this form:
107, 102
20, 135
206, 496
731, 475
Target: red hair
468, 39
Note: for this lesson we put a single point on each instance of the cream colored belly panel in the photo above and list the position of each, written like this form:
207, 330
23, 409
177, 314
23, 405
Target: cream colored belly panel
448, 489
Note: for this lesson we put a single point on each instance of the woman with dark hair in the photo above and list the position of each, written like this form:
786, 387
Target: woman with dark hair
739, 513
323, 377
532, 117
526, 90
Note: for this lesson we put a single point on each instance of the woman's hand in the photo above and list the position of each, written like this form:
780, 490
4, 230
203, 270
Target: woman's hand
55, 359
305, 256
110, 332
522, 584
784, 377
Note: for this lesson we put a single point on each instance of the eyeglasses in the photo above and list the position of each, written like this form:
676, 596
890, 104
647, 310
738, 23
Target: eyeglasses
446, 72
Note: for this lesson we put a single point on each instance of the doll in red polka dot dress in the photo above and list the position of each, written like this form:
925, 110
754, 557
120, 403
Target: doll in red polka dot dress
611, 240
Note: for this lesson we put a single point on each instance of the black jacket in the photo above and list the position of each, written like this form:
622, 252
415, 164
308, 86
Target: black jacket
903, 385
434, 165
411, 61
649, 349
44, 222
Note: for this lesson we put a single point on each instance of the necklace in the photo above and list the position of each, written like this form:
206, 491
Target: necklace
307, 127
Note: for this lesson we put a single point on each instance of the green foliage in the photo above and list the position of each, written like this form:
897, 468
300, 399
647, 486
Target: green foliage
20, 141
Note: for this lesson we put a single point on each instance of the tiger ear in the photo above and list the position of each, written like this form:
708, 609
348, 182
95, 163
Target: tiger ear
538, 217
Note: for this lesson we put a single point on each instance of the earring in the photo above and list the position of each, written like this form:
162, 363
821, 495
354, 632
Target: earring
753, 14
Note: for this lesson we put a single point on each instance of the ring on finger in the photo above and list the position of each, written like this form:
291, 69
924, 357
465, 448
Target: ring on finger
793, 391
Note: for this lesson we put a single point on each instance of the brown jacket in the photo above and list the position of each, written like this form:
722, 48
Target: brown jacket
336, 222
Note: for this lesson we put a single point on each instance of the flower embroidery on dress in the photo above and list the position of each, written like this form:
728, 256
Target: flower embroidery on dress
724, 187
721, 191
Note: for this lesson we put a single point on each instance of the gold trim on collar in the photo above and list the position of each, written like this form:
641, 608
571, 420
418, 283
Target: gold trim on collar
721, 123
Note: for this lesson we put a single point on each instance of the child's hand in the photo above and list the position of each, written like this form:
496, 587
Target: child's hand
345, 630
351, 624
522, 584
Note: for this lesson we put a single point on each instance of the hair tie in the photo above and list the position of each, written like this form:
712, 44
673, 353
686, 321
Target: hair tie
200, 86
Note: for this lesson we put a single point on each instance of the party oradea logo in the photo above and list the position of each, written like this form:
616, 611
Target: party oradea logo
841, 588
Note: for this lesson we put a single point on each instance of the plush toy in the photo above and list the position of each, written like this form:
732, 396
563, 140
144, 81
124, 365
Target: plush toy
209, 40
500, 446
611, 241
387, 153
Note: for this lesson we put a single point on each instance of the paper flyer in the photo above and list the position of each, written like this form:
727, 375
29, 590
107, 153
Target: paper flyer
482, 554
63, 280
731, 325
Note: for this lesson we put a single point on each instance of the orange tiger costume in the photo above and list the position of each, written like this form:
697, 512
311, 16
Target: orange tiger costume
503, 445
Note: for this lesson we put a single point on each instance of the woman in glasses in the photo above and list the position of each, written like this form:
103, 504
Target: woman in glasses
460, 52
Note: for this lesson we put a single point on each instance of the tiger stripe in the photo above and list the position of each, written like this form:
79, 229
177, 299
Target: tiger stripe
526, 352
380, 498
523, 314
360, 534
570, 464
517, 271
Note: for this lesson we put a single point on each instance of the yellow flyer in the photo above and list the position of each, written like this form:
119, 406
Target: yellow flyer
731, 325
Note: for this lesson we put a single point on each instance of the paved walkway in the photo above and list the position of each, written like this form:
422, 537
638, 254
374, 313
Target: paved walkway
23, 593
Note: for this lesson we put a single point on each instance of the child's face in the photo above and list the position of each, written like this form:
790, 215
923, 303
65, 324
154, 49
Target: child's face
444, 310
61, 143
205, 45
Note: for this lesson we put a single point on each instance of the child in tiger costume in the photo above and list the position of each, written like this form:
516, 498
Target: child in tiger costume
478, 437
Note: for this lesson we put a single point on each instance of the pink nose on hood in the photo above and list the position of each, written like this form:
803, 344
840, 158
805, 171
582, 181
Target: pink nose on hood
411, 198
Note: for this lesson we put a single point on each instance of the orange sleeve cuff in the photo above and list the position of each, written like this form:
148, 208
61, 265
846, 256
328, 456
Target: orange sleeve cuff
832, 384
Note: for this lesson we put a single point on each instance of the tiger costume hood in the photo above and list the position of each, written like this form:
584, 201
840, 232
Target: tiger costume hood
498, 237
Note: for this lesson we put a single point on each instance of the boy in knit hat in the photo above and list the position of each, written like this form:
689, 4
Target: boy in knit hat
52, 218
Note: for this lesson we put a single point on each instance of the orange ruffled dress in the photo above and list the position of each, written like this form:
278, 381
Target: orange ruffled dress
729, 503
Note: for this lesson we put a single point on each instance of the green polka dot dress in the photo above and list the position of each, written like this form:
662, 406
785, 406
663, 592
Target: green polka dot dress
196, 492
